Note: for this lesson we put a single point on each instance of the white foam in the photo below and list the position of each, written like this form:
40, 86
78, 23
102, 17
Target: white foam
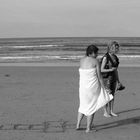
40, 46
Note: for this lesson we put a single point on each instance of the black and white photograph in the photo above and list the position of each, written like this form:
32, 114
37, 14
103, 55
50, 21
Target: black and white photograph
69, 70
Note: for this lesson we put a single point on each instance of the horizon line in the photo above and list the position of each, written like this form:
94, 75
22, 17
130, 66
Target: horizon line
72, 37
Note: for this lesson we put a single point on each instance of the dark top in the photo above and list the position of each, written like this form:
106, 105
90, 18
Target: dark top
111, 79
112, 61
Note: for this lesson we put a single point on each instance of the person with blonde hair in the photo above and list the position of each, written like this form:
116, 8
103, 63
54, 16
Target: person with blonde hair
109, 69
92, 93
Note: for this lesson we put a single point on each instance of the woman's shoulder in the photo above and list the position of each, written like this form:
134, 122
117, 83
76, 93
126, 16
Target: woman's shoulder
83, 59
86, 59
103, 59
88, 62
95, 62
105, 56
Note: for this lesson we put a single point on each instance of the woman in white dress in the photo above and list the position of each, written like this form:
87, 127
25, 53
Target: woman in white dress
92, 93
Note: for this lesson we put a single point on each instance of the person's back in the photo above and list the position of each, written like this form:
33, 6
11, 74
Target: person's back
88, 63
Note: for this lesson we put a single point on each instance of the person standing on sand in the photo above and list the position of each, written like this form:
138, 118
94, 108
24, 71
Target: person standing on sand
92, 93
109, 66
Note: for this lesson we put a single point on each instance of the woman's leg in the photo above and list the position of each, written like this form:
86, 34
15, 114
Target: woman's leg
111, 109
112, 101
113, 85
79, 119
106, 113
89, 122
106, 107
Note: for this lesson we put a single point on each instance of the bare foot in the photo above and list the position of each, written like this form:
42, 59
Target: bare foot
88, 130
107, 115
78, 128
113, 114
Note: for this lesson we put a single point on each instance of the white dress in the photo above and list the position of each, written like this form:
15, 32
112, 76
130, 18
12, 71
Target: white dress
92, 96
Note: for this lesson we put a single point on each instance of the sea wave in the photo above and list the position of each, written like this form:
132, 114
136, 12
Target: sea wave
39, 57
35, 46
71, 57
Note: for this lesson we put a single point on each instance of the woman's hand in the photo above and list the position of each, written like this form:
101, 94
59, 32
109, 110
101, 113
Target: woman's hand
113, 68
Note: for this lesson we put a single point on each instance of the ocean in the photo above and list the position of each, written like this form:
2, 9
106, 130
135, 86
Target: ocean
61, 48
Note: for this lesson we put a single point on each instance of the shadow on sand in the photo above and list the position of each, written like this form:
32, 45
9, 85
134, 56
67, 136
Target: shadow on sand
129, 110
133, 120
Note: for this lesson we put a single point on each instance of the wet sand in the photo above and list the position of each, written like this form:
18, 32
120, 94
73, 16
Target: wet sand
41, 103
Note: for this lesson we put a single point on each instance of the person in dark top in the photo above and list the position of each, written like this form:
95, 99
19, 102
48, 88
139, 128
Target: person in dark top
109, 69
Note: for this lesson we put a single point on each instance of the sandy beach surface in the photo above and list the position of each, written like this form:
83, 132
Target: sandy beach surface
41, 103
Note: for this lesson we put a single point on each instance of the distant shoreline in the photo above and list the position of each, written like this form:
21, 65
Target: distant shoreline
55, 64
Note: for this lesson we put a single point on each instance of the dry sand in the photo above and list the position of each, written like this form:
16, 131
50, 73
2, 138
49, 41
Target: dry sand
41, 103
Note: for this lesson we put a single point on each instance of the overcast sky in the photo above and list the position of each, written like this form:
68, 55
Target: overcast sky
69, 18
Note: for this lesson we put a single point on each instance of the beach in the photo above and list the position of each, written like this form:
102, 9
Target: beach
40, 102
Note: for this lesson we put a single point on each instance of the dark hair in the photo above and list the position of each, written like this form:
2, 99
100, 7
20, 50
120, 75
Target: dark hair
91, 49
